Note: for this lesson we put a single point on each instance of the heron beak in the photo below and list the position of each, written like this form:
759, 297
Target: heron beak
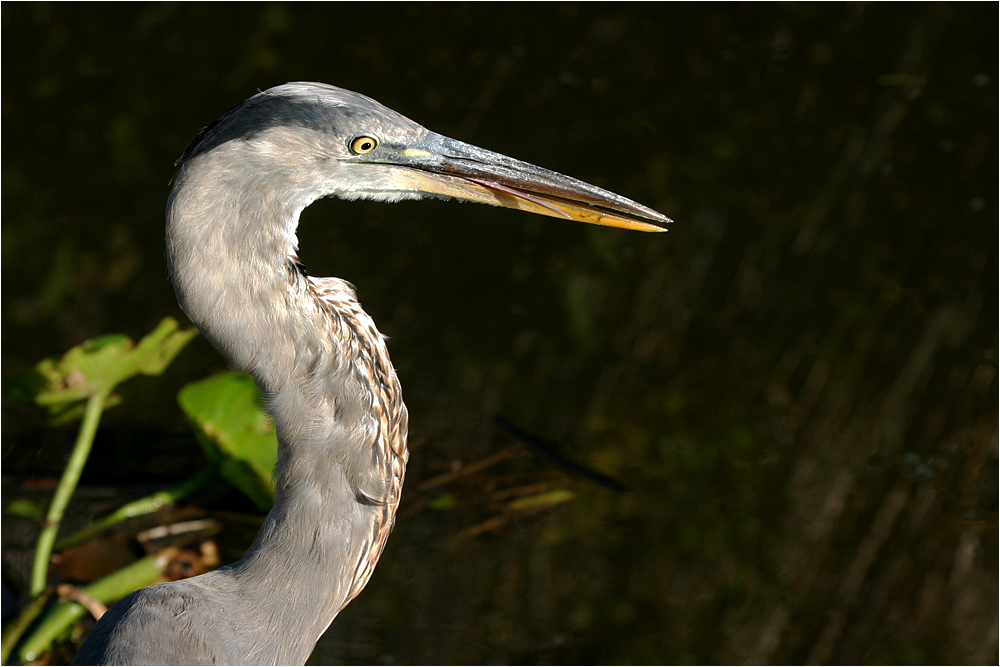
447, 168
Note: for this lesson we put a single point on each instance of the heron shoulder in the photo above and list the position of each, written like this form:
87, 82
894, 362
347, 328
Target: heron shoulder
131, 632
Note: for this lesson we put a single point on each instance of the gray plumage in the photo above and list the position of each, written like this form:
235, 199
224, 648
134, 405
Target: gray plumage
315, 354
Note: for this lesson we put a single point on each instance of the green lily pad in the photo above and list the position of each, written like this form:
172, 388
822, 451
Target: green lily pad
237, 434
97, 366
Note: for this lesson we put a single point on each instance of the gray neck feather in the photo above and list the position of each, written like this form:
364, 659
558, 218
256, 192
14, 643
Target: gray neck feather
229, 249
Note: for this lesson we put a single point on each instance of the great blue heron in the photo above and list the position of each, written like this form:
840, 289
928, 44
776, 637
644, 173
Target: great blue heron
315, 354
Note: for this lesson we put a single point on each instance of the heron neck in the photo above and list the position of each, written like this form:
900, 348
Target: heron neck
330, 388
297, 576
228, 246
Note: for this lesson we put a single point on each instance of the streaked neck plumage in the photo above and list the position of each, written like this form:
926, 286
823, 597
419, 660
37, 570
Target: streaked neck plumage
326, 376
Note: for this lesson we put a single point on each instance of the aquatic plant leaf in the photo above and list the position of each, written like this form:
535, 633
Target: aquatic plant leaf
98, 366
227, 413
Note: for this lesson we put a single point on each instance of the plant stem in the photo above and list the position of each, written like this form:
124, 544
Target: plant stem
116, 585
70, 477
140, 507
12, 633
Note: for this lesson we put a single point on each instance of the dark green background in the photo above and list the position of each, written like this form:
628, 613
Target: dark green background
798, 381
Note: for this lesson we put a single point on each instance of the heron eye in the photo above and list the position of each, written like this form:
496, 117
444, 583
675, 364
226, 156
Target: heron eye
363, 145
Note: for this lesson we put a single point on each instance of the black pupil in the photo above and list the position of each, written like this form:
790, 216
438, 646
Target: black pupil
366, 145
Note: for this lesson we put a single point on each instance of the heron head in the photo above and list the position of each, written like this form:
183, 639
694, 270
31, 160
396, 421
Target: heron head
308, 140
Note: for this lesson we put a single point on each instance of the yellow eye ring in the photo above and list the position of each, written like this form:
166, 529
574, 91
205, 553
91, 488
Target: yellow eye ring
364, 144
